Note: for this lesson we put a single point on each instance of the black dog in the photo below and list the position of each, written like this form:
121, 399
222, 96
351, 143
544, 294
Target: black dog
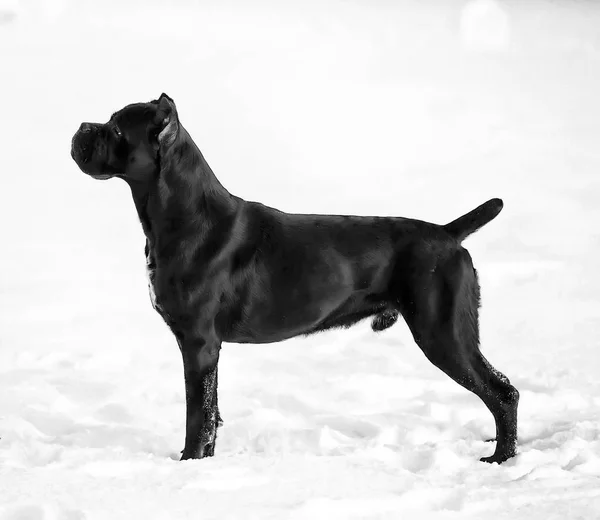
224, 269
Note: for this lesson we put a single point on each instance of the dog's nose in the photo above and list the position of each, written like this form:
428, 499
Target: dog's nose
85, 128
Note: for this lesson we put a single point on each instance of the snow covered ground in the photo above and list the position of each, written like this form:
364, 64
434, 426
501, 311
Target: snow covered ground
414, 108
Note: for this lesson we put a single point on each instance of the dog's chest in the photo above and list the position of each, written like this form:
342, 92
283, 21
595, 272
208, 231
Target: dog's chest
151, 274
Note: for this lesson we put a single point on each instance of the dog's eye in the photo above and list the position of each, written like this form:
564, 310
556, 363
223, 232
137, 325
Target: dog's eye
117, 132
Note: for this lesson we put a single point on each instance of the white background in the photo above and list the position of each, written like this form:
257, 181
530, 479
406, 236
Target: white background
422, 109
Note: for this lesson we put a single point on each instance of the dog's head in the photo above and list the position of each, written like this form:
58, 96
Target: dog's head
129, 144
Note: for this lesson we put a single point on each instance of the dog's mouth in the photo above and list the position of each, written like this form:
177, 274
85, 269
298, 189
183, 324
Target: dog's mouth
100, 176
81, 152
84, 151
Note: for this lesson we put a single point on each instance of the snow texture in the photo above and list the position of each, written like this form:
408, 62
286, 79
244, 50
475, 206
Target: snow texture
394, 108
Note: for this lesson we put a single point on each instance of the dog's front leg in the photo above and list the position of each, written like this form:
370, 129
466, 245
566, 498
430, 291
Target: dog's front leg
200, 358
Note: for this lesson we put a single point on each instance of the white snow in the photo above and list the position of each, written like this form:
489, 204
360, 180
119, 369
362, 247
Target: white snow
338, 107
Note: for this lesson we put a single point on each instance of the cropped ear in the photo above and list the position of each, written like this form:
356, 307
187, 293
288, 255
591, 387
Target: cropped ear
167, 97
166, 119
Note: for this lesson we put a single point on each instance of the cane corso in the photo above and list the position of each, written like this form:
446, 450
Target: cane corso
225, 269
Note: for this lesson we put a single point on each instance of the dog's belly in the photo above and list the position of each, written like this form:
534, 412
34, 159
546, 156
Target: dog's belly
281, 308
259, 331
283, 321
269, 323
327, 290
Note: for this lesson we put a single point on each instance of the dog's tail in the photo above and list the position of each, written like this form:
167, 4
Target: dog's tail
463, 226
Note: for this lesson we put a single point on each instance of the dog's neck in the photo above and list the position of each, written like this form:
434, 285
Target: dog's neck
183, 196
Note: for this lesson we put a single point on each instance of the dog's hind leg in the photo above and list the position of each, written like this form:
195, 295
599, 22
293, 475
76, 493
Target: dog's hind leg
443, 317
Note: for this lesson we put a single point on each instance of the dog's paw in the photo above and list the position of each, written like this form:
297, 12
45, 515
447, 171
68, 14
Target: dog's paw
498, 458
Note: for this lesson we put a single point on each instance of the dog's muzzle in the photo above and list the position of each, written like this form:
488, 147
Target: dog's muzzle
88, 149
82, 144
